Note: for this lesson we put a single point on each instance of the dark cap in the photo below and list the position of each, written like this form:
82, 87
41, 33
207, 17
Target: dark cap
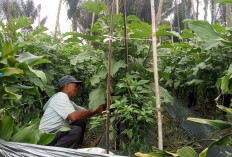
67, 79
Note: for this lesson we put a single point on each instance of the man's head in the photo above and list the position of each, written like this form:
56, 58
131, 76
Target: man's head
68, 84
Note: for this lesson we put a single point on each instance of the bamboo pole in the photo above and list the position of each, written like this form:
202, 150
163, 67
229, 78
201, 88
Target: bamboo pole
108, 79
57, 20
125, 34
156, 77
117, 6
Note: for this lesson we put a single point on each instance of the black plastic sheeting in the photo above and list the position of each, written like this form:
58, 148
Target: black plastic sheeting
15, 149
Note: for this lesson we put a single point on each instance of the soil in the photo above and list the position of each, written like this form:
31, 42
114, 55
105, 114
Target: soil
173, 135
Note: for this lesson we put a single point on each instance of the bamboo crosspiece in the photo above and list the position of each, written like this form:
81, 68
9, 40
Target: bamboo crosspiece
156, 77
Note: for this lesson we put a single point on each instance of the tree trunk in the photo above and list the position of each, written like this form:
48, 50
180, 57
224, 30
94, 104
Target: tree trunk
193, 9
74, 23
228, 14
158, 18
156, 77
206, 10
57, 20
177, 15
197, 14
171, 30
38, 12
8, 14
213, 12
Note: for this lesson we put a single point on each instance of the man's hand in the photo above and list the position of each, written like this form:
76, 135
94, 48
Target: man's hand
99, 109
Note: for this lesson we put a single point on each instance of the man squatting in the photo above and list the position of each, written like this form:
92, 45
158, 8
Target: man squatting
61, 111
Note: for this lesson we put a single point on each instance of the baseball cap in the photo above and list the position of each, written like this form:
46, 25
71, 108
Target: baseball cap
67, 79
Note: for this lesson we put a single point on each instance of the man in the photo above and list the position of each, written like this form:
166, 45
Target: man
61, 111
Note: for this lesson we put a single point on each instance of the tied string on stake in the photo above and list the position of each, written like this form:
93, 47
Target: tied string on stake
122, 38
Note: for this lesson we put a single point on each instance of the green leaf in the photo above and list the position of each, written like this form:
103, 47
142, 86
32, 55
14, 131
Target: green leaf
11, 92
29, 71
157, 153
7, 49
8, 71
82, 57
223, 1
29, 89
6, 128
115, 66
204, 29
45, 138
225, 109
97, 78
187, 152
94, 7
129, 133
224, 83
194, 82
40, 30
28, 58
221, 142
217, 124
27, 134
97, 97
22, 22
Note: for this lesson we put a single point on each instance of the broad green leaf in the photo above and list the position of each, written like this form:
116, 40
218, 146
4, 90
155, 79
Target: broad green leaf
230, 69
6, 49
187, 152
22, 22
204, 29
115, 66
42, 61
225, 109
82, 57
97, 78
194, 82
45, 138
6, 127
223, 1
225, 83
157, 153
27, 134
217, 124
187, 34
40, 30
164, 94
8, 71
11, 92
97, 97
94, 7
29, 71
221, 142
29, 89
28, 58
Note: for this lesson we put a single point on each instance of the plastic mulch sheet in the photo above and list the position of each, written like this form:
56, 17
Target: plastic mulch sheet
15, 149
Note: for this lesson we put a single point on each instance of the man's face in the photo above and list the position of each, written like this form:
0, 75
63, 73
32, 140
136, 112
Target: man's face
72, 88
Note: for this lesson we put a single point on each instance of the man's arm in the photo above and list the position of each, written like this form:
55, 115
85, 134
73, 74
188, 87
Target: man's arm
81, 115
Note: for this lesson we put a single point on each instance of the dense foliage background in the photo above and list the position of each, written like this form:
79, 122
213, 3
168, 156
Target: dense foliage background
195, 66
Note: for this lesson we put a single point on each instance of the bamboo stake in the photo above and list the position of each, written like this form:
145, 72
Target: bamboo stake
117, 6
108, 79
125, 34
156, 77
57, 21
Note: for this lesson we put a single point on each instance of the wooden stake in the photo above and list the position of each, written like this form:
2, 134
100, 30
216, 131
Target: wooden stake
156, 77
125, 34
108, 79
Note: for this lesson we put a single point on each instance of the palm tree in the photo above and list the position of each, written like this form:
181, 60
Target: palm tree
16, 8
